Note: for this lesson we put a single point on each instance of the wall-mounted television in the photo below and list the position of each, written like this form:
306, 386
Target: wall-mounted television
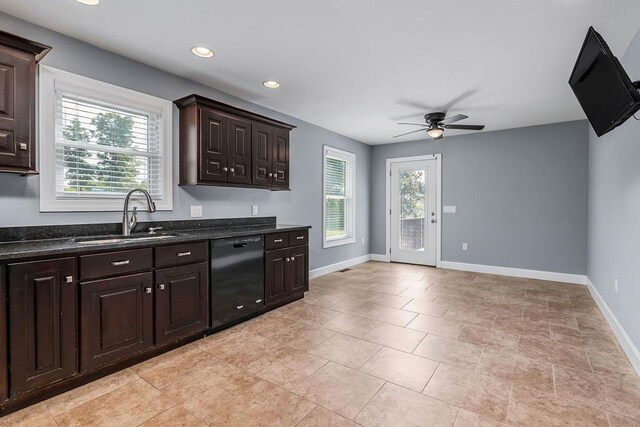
603, 88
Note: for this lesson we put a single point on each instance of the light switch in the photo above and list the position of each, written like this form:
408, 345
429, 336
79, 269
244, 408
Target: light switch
254, 210
196, 211
465, 246
449, 209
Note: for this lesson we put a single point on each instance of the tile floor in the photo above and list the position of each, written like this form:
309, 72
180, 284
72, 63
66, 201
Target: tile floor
379, 345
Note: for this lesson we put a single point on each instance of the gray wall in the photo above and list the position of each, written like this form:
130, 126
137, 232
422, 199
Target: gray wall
521, 196
19, 202
614, 212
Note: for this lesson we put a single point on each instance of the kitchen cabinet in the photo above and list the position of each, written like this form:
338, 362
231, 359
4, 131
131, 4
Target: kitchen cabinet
42, 323
182, 301
18, 58
116, 319
286, 268
227, 146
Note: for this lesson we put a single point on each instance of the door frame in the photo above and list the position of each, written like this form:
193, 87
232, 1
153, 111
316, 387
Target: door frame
438, 158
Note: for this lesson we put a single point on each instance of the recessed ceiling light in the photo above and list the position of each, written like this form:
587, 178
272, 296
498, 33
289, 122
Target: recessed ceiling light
89, 2
202, 52
271, 84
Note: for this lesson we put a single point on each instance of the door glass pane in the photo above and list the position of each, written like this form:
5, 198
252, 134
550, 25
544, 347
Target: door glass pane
412, 209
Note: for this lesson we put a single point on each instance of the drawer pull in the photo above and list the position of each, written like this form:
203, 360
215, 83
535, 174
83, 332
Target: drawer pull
300, 238
68, 279
147, 290
119, 263
161, 287
187, 253
240, 307
277, 241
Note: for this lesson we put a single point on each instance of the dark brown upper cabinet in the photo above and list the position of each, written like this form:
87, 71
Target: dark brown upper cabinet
18, 58
225, 146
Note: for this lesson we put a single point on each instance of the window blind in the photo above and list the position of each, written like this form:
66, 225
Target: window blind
104, 150
339, 209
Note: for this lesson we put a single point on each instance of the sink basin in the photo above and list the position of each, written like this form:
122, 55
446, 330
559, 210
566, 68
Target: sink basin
121, 239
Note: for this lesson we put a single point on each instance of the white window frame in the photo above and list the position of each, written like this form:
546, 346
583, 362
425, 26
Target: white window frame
50, 80
348, 157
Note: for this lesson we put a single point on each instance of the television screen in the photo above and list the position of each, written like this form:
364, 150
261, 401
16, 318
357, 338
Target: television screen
605, 91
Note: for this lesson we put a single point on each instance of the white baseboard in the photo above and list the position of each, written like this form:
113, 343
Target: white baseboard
516, 272
321, 271
380, 258
628, 346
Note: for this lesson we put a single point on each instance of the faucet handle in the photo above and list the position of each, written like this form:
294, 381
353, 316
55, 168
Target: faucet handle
152, 230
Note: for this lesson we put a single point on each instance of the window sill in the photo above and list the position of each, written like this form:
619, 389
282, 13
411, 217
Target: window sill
338, 242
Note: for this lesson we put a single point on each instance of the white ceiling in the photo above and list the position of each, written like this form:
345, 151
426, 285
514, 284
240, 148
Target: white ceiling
358, 66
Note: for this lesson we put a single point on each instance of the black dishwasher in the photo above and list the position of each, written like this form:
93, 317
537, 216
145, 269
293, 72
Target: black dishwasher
237, 278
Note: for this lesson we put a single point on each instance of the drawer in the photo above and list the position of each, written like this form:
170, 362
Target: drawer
276, 241
115, 263
184, 253
298, 238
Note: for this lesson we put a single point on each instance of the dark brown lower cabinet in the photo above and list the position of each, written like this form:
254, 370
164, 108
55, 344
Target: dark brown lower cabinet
182, 301
116, 319
42, 323
286, 273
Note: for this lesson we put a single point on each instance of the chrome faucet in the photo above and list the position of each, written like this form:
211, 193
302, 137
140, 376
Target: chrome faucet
129, 224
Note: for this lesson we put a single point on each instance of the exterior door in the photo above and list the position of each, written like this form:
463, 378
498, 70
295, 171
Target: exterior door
413, 212
42, 323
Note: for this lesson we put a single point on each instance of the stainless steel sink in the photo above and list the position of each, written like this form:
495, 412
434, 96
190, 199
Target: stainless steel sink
122, 239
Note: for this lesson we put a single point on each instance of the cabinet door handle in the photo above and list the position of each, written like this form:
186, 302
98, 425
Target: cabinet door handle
293, 258
68, 279
300, 238
187, 253
161, 287
270, 174
224, 169
119, 263
277, 241
240, 307
147, 290
258, 301
288, 259
23, 146
231, 170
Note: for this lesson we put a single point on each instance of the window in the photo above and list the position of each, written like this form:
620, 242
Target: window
98, 141
339, 197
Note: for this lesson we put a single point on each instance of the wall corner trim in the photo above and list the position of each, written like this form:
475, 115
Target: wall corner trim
577, 279
332, 268
625, 341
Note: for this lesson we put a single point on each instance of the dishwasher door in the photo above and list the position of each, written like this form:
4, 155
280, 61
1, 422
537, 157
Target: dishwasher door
237, 278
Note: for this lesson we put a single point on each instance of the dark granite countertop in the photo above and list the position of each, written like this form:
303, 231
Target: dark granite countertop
23, 249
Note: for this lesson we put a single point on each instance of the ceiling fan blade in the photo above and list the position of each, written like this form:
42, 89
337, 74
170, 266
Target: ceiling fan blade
454, 119
414, 124
464, 127
408, 133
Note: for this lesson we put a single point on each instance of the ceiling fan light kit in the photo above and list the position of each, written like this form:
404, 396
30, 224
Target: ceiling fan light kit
436, 123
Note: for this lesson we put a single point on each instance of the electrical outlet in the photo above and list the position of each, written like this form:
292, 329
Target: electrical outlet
465, 247
254, 210
615, 285
196, 211
363, 240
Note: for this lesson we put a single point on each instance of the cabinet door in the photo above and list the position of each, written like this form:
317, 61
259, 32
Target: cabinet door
277, 278
42, 323
299, 266
17, 104
214, 137
239, 157
182, 301
262, 158
280, 158
116, 319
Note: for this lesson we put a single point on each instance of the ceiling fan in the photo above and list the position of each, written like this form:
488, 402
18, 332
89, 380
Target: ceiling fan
437, 122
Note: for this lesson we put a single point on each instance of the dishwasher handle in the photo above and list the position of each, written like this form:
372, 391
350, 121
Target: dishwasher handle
240, 245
